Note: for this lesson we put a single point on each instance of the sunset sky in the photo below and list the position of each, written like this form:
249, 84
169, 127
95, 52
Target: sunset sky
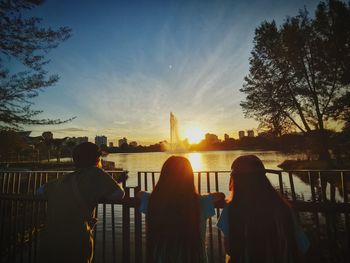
129, 63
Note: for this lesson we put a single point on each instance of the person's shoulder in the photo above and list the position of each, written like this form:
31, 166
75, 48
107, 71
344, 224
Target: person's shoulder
97, 170
93, 170
57, 181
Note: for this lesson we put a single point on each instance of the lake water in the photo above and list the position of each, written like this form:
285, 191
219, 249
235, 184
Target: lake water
206, 161
201, 161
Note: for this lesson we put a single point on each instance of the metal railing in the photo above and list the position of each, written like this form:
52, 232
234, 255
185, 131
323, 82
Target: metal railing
120, 232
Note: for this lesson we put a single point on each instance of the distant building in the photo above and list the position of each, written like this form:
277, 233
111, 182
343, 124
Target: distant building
47, 135
122, 141
110, 144
78, 140
250, 133
133, 144
241, 134
211, 138
226, 137
100, 140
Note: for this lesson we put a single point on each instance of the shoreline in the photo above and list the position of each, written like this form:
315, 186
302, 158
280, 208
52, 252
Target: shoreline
314, 165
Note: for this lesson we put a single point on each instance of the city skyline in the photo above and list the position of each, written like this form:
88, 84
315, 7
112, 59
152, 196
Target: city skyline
116, 141
127, 65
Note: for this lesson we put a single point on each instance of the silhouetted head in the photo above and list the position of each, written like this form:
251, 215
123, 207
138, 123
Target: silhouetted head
86, 154
248, 177
176, 176
248, 164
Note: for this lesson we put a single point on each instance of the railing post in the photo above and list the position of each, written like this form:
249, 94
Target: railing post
138, 231
31, 224
291, 182
23, 229
126, 229
345, 200
29, 180
139, 180
153, 181
35, 182
323, 185
19, 183
113, 234
8, 183
211, 245
146, 181
2, 222
280, 183
36, 226
344, 190
15, 219
217, 218
13, 183
103, 232
199, 182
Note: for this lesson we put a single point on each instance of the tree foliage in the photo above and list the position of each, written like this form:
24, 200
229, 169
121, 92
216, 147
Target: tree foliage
24, 44
11, 143
300, 71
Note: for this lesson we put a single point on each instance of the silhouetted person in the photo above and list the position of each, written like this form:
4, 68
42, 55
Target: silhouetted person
176, 215
71, 200
258, 224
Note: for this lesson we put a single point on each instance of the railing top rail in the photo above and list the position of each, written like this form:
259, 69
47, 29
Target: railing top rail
305, 206
313, 170
204, 171
267, 170
53, 171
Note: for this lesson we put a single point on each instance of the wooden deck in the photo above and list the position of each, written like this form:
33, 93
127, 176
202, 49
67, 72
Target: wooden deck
120, 232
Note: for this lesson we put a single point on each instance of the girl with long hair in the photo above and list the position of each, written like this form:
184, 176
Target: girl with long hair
176, 215
258, 224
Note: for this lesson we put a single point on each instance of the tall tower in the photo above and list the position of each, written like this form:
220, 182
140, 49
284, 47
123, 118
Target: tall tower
174, 135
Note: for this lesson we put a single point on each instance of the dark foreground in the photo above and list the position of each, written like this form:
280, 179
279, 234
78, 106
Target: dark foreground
119, 236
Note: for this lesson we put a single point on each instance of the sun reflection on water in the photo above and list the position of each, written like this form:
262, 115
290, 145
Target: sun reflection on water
196, 161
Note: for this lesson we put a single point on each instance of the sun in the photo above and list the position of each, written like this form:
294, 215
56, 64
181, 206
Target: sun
194, 134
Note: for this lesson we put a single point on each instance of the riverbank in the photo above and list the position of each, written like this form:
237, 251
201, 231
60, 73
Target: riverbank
50, 166
314, 165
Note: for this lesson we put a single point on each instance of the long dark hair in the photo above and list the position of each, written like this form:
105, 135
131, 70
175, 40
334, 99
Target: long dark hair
173, 216
260, 220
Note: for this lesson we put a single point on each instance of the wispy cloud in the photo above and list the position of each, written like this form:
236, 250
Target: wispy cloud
124, 76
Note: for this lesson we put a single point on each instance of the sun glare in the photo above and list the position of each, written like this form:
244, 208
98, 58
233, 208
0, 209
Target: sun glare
194, 134
196, 161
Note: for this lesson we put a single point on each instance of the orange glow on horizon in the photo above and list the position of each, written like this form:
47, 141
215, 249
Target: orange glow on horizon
194, 134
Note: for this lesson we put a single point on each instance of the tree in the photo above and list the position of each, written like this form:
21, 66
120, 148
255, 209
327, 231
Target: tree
11, 143
58, 144
48, 146
341, 110
23, 45
300, 70
71, 144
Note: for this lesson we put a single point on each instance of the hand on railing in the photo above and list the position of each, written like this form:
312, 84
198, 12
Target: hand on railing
122, 177
218, 199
